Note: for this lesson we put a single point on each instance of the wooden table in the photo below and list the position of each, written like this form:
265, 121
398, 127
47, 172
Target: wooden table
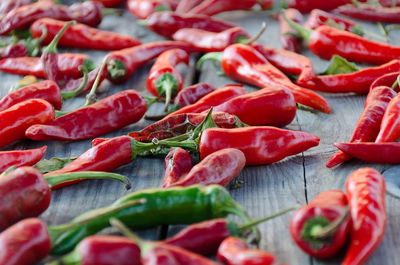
266, 189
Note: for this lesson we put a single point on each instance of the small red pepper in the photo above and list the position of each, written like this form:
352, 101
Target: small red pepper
142, 9
20, 158
191, 94
370, 12
185, 5
287, 35
14, 51
367, 127
15, 120
163, 79
387, 80
305, 6
309, 222
365, 189
383, 153
233, 251
390, 130
177, 164
213, 7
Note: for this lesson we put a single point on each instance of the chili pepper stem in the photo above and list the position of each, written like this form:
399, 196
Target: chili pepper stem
8, 170
52, 47
74, 93
215, 56
304, 33
91, 97
169, 86
116, 69
396, 83
319, 232
258, 35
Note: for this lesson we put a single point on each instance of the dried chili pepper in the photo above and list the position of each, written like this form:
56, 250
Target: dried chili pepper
389, 130
233, 251
365, 189
8, 5
15, 120
13, 51
110, 3
21, 157
26, 193
370, 12
213, 7
367, 127
311, 226
142, 9
76, 84
177, 164
164, 80
244, 63
192, 94
305, 6
384, 153
287, 35
387, 80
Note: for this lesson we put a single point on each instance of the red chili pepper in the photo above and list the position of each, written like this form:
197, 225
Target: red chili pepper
370, 12
213, 7
163, 79
68, 64
192, 94
220, 167
305, 6
88, 12
387, 80
233, 251
142, 9
185, 5
74, 84
383, 153
260, 107
177, 164
357, 82
21, 158
123, 63
207, 41
390, 131
25, 243
287, 38
15, 120
244, 63
367, 127
110, 3
266, 4
13, 51
8, 5
260, 144
82, 36
309, 222
167, 23
365, 190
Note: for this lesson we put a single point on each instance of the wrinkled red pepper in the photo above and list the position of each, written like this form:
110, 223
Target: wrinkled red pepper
387, 80
191, 94
185, 5
142, 9
20, 158
305, 6
14, 51
177, 164
286, 33
370, 12
389, 130
8, 5
383, 153
213, 7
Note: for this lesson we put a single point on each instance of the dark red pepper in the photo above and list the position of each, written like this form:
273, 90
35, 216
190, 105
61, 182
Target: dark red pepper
8, 5
74, 84
287, 35
387, 80
370, 12
20, 158
213, 7
192, 94
305, 6
13, 51
110, 3
383, 153
177, 164
142, 9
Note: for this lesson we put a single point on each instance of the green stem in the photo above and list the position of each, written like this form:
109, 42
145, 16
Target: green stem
304, 33
215, 56
168, 87
258, 35
8, 170
76, 92
123, 229
91, 97
396, 83
391, 27
27, 80
256, 222
116, 69
54, 180
52, 47
331, 228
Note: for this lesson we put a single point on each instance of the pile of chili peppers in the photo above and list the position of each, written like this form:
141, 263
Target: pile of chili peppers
207, 134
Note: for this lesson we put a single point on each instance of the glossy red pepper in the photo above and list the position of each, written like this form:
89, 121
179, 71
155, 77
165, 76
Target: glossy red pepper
25, 243
82, 36
167, 23
357, 82
389, 130
123, 63
15, 120
309, 221
387, 80
142, 9
213, 7
260, 144
370, 12
13, 51
305, 6
8, 5
365, 189
207, 41
185, 5
164, 80
287, 35
383, 153
234, 251
260, 107
367, 127
110, 3
191, 94
20, 158
88, 12
266, 4
177, 164
244, 63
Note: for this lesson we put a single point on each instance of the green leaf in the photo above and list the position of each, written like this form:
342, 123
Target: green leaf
339, 65
55, 163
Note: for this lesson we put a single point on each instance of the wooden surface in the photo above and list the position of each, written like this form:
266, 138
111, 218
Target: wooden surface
266, 189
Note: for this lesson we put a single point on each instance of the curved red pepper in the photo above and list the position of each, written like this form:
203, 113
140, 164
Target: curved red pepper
387, 80
14, 51
192, 94
390, 131
324, 209
260, 144
383, 153
213, 7
305, 6
74, 84
177, 164
319, 18
142, 9
365, 190
185, 5
287, 38
370, 12
20, 158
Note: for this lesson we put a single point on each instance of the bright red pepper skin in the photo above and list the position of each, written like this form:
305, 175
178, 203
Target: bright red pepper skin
389, 130
47, 90
68, 64
104, 116
167, 23
192, 94
260, 107
8, 5
177, 164
305, 6
25, 243
110, 3
386, 80
142, 9
233, 251
213, 7
220, 167
244, 63
20, 158
288, 41
15, 120
357, 82
383, 153
207, 41
329, 205
13, 51
370, 12
185, 5
319, 18
82, 36
367, 127
260, 144
365, 189
88, 12
266, 4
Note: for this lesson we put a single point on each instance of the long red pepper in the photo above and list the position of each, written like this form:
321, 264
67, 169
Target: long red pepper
244, 63
192, 94
213, 7
309, 222
387, 80
21, 157
164, 80
365, 189
82, 36
185, 5
177, 164
142, 9
74, 84
367, 127
305, 6
370, 12
14, 51
15, 120
357, 82
8, 5
287, 38
123, 63
389, 130
384, 153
